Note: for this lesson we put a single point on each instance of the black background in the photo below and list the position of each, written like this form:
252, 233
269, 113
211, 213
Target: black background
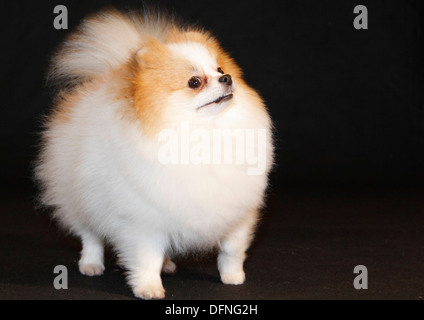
347, 187
347, 104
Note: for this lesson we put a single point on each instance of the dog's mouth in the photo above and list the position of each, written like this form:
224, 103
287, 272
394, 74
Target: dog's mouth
225, 97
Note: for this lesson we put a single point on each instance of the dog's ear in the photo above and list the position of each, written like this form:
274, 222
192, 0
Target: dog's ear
151, 52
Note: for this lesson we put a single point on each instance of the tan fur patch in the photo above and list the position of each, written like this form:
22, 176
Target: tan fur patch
159, 74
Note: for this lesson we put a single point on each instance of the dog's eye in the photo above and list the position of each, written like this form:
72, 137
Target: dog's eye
220, 70
195, 82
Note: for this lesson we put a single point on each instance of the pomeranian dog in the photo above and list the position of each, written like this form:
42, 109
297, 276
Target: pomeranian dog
131, 154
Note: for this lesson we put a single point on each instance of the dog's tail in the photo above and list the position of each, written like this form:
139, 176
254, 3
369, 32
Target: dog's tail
101, 43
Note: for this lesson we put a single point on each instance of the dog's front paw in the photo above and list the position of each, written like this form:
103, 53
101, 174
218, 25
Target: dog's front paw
150, 292
91, 269
235, 278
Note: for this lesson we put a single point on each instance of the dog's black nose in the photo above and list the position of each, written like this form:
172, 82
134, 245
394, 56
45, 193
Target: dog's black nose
226, 78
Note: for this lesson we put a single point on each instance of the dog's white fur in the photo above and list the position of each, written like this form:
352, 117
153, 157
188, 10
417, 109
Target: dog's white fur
102, 175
